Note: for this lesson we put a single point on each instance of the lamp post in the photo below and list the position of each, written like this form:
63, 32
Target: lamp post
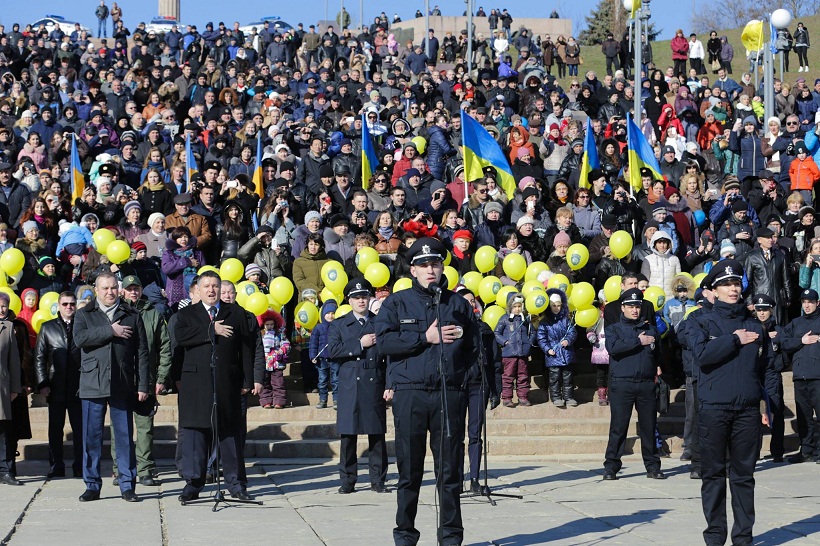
469, 37
641, 21
780, 19
426, 32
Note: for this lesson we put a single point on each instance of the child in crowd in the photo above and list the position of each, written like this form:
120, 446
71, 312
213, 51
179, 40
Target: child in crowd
513, 332
301, 342
328, 369
253, 273
803, 172
661, 266
277, 347
600, 356
764, 307
556, 337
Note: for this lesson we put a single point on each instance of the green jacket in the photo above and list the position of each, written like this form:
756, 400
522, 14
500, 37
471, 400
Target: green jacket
159, 344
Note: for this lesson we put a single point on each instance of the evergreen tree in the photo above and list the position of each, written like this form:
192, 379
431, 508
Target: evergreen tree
609, 16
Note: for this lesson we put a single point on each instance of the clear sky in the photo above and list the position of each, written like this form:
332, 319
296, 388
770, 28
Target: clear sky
199, 12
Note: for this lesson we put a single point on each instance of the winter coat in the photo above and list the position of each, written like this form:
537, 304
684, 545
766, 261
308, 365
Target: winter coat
680, 48
11, 376
803, 174
339, 248
514, 334
554, 329
770, 278
174, 266
438, 150
307, 271
748, 146
804, 357
660, 268
588, 220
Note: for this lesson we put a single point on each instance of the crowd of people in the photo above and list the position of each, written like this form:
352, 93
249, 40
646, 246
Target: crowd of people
735, 189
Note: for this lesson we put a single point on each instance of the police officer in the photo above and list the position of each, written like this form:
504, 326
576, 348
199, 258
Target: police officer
422, 330
801, 339
731, 362
361, 392
633, 371
764, 307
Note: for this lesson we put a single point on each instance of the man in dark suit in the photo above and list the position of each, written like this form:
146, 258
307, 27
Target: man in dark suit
213, 333
57, 364
361, 393
114, 359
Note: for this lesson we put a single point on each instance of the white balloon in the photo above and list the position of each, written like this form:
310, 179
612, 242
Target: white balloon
781, 18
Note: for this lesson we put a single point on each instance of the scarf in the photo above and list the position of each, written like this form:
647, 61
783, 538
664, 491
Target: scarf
386, 232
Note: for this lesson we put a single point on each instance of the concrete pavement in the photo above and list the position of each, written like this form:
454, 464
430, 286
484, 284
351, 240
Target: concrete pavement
564, 504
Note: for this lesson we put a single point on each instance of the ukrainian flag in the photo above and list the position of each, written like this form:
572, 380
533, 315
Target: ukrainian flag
589, 160
481, 150
257, 171
369, 158
77, 176
640, 155
190, 162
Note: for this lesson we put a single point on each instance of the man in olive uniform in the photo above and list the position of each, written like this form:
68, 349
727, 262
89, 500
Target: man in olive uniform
361, 393
408, 332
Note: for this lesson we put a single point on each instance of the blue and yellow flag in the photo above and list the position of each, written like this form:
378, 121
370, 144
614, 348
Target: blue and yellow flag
481, 150
190, 162
369, 158
589, 160
636, 5
77, 176
257, 171
752, 36
640, 155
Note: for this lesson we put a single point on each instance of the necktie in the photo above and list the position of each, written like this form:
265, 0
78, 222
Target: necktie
212, 313
361, 321
69, 336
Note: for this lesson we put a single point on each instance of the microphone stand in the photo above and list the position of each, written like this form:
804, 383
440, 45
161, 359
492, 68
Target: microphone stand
485, 489
445, 413
219, 495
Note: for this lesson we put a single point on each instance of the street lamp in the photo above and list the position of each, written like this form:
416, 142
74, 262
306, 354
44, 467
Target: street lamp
780, 19
641, 26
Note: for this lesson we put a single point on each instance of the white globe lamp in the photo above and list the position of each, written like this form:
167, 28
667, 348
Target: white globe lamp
781, 18
628, 5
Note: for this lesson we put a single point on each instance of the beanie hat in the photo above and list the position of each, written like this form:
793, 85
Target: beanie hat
44, 261
326, 171
312, 215
252, 269
524, 182
561, 239
726, 247
132, 205
493, 206
659, 208
522, 152
670, 191
738, 205
524, 220
154, 217
530, 192
31, 224
594, 174
136, 246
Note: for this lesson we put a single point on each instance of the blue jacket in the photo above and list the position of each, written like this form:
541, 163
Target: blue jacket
684, 334
76, 235
554, 329
805, 358
628, 359
719, 213
514, 335
812, 143
729, 375
751, 157
438, 150
319, 336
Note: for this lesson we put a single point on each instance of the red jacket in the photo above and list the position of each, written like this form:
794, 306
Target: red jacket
680, 48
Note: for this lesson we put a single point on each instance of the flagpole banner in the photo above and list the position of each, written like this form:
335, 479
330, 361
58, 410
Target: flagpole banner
481, 150
369, 158
77, 176
257, 171
190, 162
590, 159
640, 155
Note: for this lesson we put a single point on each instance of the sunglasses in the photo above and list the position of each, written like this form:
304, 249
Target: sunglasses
583, 197
481, 191
72, 304
792, 123
574, 85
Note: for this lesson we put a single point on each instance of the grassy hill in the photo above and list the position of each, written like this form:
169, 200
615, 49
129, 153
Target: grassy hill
594, 59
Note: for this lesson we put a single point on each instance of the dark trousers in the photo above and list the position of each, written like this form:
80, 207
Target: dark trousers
601, 375
274, 392
610, 62
778, 424
807, 400
310, 376
94, 410
56, 422
515, 372
415, 412
739, 431
5, 450
680, 67
802, 55
693, 441
349, 462
328, 377
623, 396
196, 450
475, 423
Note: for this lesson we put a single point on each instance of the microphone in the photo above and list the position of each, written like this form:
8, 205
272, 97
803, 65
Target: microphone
436, 289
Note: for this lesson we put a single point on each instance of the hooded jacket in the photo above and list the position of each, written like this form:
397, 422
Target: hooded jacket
553, 329
514, 333
319, 335
661, 268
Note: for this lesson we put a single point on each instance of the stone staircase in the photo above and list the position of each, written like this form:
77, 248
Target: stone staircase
300, 431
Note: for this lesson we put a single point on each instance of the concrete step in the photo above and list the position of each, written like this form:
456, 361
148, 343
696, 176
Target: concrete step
316, 448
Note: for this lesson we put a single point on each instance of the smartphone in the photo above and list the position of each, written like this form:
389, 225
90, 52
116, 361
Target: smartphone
530, 205
326, 200
283, 204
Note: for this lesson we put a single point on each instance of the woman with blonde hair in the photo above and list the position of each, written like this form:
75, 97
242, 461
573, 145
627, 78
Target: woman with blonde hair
386, 231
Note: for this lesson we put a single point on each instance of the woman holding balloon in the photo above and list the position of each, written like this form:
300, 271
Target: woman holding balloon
307, 268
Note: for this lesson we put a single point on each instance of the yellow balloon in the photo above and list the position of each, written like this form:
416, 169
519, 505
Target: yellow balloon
699, 279
48, 299
448, 258
342, 310
535, 269
336, 280
421, 144
330, 264
612, 288
452, 276
529, 286
488, 289
257, 303
656, 295
14, 300
327, 294
377, 273
504, 294
588, 317
244, 290
492, 314
583, 294
205, 268
4, 280
38, 318
402, 284
559, 281
514, 265
307, 315
620, 244
118, 251
282, 289
471, 280
102, 238
13, 260
365, 257
231, 270
577, 256
485, 258
537, 302
273, 303
689, 311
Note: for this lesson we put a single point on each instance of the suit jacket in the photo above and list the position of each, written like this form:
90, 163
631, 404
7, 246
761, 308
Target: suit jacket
57, 367
110, 366
233, 358
361, 406
10, 369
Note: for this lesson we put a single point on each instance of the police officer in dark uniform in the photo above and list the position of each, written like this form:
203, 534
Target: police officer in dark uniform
632, 344
417, 345
731, 360
764, 307
361, 393
801, 339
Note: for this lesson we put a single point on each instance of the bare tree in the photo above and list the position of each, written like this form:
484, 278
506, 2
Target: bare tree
736, 13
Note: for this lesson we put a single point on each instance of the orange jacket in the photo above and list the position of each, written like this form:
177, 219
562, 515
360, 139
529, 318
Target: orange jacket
803, 174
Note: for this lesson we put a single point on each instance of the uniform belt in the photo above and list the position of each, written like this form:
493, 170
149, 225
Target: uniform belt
632, 379
420, 387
